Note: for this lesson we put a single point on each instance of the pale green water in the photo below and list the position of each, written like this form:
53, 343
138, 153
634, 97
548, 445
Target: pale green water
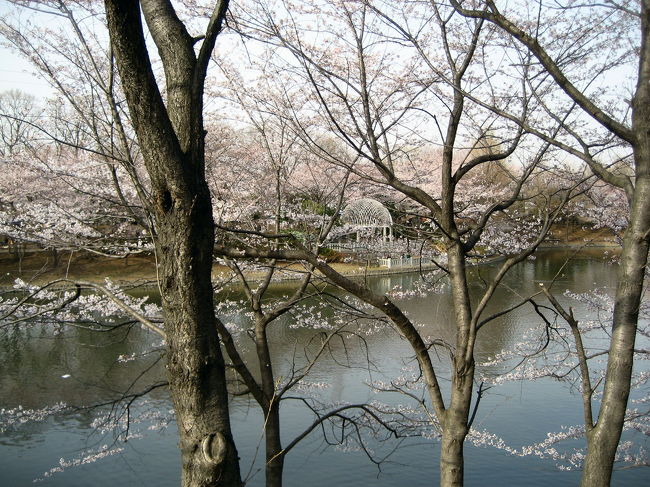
33, 363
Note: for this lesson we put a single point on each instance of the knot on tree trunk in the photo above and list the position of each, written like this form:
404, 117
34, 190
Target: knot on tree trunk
214, 447
164, 201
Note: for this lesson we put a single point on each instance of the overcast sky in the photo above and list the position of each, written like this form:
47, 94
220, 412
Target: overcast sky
15, 73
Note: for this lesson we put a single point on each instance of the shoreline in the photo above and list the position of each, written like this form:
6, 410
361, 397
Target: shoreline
139, 270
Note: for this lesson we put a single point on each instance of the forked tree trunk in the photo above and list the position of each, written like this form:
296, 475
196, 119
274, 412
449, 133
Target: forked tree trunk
171, 140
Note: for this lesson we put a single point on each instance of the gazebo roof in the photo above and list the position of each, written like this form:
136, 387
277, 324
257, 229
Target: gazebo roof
367, 212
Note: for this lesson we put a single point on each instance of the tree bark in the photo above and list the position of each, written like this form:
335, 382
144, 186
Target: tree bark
274, 455
603, 440
454, 431
171, 141
195, 365
271, 405
455, 424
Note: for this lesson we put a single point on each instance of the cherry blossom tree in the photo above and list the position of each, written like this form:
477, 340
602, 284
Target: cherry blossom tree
268, 161
66, 43
609, 123
376, 107
265, 178
171, 138
440, 115
52, 199
19, 113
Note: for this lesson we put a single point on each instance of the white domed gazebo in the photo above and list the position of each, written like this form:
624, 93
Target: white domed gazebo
368, 213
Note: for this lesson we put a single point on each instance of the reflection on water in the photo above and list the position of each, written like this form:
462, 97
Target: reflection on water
35, 364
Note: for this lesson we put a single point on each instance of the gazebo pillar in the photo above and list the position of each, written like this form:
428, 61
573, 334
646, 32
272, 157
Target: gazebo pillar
369, 214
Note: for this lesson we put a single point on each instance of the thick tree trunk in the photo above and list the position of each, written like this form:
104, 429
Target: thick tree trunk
603, 439
195, 363
451, 457
455, 421
171, 141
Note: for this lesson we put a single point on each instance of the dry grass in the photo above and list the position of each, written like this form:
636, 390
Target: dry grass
43, 266
39, 267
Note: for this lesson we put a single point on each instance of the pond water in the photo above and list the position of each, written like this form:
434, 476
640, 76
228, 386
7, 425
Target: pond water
35, 365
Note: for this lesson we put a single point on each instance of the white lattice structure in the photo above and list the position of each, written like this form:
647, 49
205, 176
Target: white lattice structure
367, 213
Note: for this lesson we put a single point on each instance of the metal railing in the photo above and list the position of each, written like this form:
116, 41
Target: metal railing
404, 262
